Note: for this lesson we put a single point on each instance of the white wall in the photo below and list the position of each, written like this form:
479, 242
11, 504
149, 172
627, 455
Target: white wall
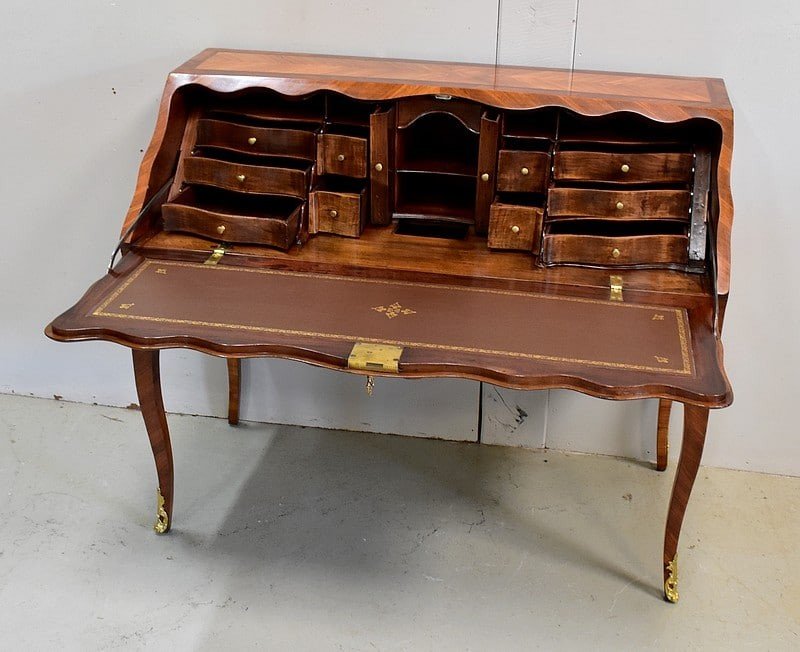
78, 105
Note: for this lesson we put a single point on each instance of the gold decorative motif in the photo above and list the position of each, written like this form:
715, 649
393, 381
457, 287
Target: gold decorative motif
126, 306
161, 270
661, 359
162, 518
658, 317
370, 387
671, 581
252, 140
394, 310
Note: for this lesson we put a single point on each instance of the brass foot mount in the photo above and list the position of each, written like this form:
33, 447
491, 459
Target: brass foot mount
671, 581
161, 526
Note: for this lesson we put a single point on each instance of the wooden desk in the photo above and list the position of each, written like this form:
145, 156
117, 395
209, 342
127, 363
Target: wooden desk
529, 228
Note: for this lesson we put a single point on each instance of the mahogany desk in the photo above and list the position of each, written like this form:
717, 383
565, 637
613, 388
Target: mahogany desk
530, 228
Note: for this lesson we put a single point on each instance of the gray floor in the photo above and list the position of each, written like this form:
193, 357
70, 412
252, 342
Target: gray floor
297, 539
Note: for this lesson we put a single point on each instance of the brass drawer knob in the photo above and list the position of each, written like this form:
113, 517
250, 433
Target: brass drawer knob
240, 178
485, 176
525, 172
221, 229
340, 158
615, 253
515, 229
620, 205
625, 168
252, 140
379, 167
333, 213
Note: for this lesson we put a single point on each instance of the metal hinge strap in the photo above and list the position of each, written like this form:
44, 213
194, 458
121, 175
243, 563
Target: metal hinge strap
616, 288
216, 256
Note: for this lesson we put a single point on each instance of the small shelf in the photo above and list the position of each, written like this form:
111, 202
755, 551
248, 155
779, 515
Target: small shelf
537, 125
437, 166
437, 142
448, 198
270, 107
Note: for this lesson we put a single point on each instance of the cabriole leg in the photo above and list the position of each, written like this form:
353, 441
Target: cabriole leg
234, 389
695, 422
148, 387
662, 434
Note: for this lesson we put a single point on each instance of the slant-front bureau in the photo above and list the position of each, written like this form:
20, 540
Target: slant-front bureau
531, 228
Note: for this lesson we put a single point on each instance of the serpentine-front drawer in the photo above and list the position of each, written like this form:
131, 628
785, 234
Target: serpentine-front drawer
628, 251
280, 178
214, 214
256, 140
618, 204
612, 167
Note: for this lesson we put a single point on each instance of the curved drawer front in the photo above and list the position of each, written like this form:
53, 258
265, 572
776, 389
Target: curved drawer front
621, 205
616, 251
623, 168
246, 178
522, 171
256, 140
277, 225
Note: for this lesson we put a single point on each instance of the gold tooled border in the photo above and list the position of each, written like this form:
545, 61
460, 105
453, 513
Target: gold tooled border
680, 317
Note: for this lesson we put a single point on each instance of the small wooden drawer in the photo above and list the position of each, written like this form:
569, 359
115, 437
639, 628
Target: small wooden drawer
256, 140
342, 213
226, 217
618, 205
515, 227
623, 168
521, 171
343, 155
625, 251
280, 178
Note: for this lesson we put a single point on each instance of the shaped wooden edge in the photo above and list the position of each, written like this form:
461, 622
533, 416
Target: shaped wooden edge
160, 158
71, 327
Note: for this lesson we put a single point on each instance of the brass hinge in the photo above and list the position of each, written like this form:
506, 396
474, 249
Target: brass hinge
616, 288
216, 256
375, 357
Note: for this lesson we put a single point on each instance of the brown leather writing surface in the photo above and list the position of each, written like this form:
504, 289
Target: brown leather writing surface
587, 332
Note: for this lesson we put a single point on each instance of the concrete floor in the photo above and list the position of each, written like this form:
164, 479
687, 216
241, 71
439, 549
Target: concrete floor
298, 539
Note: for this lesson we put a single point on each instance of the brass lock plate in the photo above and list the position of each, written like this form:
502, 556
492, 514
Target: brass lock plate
375, 357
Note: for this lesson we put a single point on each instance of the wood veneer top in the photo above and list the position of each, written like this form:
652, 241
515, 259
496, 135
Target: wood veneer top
419, 77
